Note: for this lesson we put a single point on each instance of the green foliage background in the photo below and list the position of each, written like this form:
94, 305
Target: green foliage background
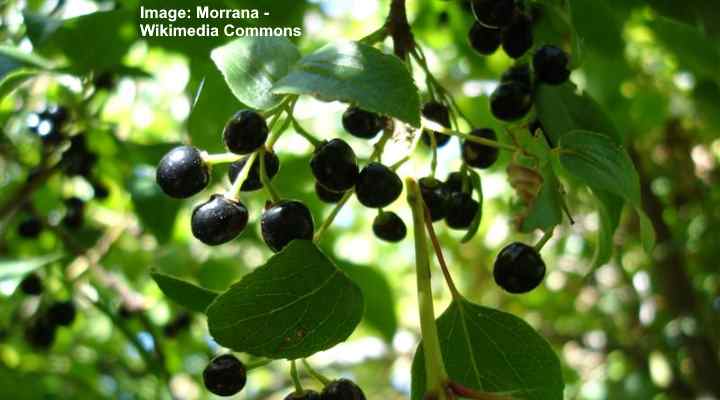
635, 327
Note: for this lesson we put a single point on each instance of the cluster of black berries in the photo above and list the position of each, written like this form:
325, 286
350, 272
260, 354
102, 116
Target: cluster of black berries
31, 226
501, 23
40, 332
225, 375
49, 124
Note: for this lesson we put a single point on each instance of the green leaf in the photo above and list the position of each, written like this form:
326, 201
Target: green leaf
610, 208
562, 110
14, 80
251, 66
359, 74
475, 224
295, 305
546, 212
157, 211
184, 293
492, 351
13, 269
692, 48
12, 59
379, 298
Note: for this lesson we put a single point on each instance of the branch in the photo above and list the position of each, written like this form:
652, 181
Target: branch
399, 29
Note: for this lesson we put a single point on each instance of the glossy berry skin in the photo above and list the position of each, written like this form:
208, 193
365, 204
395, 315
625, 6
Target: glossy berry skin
342, 389
377, 186
306, 395
551, 65
454, 183
439, 113
30, 228
494, 13
327, 196
219, 220
518, 268
40, 333
461, 210
517, 38
31, 284
253, 181
434, 196
284, 222
361, 123
182, 172
483, 39
511, 101
334, 165
478, 155
389, 227
62, 313
245, 132
225, 375
519, 73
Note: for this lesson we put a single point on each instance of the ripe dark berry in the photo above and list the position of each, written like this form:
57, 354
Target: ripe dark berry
30, 228
535, 126
439, 113
519, 73
517, 38
225, 375
519, 268
245, 132
377, 186
40, 333
253, 181
479, 155
306, 395
105, 81
284, 222
62, 313
361, 123
551, 65
510, 101
342, 389
454, 183
31, 284
74, 213
494, 13
334, 165
100, 190
327, 196
461, 210
177, 325
182, 172
57, 114
219, 220
77, 160
434, 196
389, 227
483, 39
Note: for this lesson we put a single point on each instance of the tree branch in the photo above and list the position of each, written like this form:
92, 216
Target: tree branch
399, 29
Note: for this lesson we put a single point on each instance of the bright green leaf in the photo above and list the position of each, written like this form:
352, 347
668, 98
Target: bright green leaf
379, 298
12, 59
184, 293
12, 269
295, 305
14, 80
610, 208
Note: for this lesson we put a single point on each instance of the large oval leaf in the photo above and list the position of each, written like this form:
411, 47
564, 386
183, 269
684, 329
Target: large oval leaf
492, 351
252, 65
184, 293
356, 73
295, 305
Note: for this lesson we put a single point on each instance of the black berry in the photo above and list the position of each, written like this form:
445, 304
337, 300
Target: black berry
100, 190
62, 313
517, 38
511, 101
59, 115
434, 196
454, 183
253, 181
30, 228
389, 227
342, 389
31, 284
182, 172
105, 81
74, 213
334, 165
225, 375
494, 13
77, 160
219, 220
483, 39
377, 186
461, 210
327, 196
535, 126
439, 113
551, 65
284, 222
306, 395
40, 333
519, 73
361, 123
177, 325
479, 155
245, 132
518, 268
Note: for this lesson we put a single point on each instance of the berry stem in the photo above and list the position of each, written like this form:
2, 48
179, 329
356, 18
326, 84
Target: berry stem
433, 145
468, 393
483, 141
434, 365
265, 180
234, 192
543, 240
439, 254
295, 378
375, 37
260, 362
315, 374
223, 158
304, 133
